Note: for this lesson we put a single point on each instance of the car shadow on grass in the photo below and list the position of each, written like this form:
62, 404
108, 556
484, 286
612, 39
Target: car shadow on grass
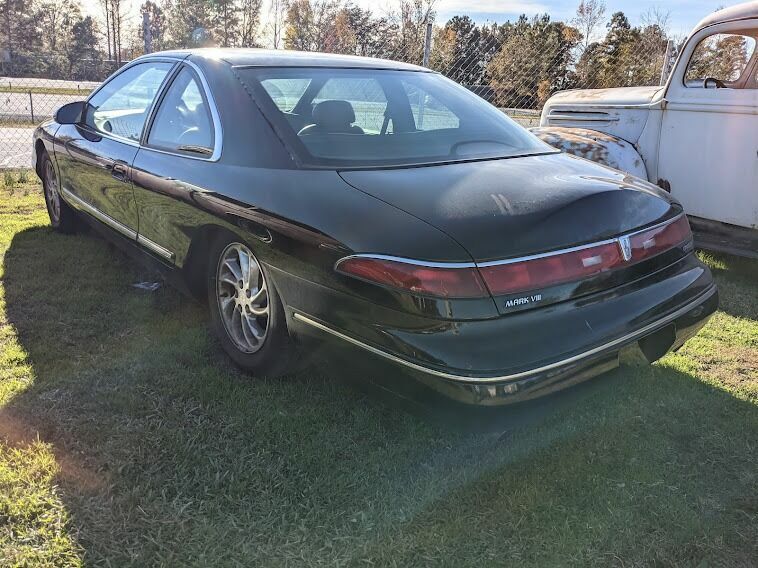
169, 455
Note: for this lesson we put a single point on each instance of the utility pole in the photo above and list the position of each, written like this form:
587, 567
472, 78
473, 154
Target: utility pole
427, 44
147, 32
108, 27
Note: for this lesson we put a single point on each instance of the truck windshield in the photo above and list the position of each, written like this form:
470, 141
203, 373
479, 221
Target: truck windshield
358, 118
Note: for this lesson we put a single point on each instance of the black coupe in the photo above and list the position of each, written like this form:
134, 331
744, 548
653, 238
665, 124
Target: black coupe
380, 206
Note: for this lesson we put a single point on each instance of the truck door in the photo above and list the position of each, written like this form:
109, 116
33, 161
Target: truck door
709, 134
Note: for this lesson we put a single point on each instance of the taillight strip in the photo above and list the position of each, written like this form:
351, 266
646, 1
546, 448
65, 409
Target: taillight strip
579, 247
500, 277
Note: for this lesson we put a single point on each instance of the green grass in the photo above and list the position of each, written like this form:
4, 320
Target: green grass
18, 122
127, 439
84, 91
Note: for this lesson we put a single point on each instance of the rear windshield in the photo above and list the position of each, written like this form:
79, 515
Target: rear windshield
356, 118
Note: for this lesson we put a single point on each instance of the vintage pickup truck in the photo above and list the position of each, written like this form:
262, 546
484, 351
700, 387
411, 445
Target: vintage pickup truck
696, 136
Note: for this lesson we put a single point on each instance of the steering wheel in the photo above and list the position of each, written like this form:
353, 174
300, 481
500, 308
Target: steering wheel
718, 82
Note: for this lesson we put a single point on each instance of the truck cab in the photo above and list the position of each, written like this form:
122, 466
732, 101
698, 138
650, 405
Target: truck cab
696, 136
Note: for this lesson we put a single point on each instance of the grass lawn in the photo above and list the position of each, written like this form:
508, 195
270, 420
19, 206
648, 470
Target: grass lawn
18, 122
83, 92
128, 439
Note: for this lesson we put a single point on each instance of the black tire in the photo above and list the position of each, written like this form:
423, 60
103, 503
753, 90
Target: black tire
276, 354
62, 218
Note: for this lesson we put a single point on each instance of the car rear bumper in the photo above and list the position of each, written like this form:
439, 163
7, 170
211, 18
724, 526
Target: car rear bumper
539, 351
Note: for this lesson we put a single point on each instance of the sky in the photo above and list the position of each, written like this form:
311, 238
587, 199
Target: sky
684, 14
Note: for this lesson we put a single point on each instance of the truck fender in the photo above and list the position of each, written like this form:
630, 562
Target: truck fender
595, 146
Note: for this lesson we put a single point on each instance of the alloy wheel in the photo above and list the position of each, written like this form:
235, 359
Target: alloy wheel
52, 192
242, 296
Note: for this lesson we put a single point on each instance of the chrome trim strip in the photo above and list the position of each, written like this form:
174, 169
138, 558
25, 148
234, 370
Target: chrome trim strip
218, 134
142, 59
156, 248
628, 338
507, 260
99, 215
580, 247
580, 118
118, 226
408, 261
109, 136
546, 254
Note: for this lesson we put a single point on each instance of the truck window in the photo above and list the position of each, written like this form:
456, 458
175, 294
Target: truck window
723, 57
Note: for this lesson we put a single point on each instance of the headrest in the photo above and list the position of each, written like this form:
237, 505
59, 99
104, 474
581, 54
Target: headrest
333, 115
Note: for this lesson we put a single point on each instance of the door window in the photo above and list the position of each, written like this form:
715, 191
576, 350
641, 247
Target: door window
183, 121
722, 58
120, 108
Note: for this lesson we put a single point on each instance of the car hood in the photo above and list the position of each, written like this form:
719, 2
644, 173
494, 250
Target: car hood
620, 96
519, 206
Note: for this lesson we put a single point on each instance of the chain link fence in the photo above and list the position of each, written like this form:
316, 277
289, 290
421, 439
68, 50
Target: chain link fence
516, 71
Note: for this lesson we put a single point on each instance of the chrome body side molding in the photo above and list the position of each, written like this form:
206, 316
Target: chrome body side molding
118, 226
99, 215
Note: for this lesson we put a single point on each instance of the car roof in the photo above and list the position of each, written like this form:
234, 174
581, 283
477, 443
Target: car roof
241, 57
738, 12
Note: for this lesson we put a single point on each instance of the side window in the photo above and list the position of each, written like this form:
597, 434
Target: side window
723, 57
428, 112
183, 121
285, 92
120, 107
365, 95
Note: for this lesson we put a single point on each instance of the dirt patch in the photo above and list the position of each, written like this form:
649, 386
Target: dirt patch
17, 432
736, 367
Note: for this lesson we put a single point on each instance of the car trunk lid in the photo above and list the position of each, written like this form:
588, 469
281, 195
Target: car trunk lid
508, 209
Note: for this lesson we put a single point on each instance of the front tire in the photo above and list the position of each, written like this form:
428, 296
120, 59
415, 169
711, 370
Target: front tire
246, 311
62, 217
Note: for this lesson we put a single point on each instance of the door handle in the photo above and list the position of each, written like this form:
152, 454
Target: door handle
120, 171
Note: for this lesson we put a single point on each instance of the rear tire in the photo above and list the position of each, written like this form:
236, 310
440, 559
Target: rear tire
246, 311
62, 218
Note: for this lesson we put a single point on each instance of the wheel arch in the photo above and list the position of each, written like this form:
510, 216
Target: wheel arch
40, 150
196, 261
195, 265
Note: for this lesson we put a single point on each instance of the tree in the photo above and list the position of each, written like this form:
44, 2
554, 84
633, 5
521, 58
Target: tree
83, 55
589, 15
721, 56
250, 21
157, 19
190, 23
412, 19
627, 56
226, 17
342, 38
115, 12
374, 37
534, 61
310, 24
277, 14
55, 18
462, 38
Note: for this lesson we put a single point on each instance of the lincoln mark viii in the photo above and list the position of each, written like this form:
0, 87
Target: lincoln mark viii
377, 208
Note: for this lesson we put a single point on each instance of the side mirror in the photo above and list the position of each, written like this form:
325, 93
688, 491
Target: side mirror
70, 113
